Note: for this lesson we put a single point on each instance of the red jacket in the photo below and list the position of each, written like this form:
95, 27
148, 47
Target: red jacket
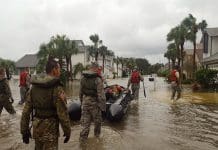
173, 75
135, 78
23, 78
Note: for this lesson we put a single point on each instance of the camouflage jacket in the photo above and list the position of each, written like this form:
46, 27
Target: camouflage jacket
48, 107
92, 85
5, 90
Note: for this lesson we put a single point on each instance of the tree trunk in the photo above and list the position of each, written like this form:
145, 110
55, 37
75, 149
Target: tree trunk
71, 71
103, 63
194, 64
61, 63
121, 70
117, 68
169, 63
182, 59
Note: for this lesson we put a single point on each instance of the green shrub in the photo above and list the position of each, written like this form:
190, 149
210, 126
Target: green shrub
187, 81
206, 77
64, 76
164, 73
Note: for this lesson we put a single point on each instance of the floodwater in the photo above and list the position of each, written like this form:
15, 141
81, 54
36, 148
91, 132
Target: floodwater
152, 123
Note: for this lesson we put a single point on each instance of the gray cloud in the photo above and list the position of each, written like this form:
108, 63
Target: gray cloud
131, 28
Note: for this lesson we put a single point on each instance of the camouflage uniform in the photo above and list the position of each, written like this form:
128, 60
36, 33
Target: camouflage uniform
49, 109
5, 96
93, 101
135, 87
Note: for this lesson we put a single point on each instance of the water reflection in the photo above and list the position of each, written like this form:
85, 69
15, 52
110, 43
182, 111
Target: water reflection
151, 123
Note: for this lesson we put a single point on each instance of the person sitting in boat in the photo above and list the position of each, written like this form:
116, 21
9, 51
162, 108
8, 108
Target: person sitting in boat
113, 92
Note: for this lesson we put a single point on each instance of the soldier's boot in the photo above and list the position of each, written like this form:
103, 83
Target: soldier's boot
83, 140
178, 96
10, 109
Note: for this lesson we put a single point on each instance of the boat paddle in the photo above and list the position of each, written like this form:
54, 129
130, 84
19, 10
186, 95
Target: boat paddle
144, 88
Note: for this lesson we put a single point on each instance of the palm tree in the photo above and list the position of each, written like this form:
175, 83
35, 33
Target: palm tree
202, 26
190, 23
94, 50
122, 62
70, 49
117, 60
103, 52
171, 54
78, 68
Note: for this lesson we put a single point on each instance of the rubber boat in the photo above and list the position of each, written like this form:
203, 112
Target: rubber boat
117, 102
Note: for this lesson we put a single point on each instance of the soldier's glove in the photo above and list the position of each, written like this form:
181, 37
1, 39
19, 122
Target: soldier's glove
66, 139
11, 100
26, 137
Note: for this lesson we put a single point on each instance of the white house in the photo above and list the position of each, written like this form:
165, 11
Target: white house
83, 57
210, 43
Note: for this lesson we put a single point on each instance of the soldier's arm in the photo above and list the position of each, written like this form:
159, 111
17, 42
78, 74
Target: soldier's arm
25, 118
80, 92
63, 116
100, 94
8, 89
141, 77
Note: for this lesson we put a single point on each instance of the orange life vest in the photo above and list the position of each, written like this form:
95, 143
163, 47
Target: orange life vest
173, 75
135, 78
23, 77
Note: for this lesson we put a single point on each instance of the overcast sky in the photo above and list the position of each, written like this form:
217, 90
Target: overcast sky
131, 28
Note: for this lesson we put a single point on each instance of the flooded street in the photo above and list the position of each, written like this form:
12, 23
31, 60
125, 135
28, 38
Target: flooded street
152, 123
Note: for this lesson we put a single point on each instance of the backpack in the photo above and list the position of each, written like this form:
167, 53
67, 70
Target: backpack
135, 77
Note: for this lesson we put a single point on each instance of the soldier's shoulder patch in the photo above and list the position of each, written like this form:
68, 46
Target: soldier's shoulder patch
62, 95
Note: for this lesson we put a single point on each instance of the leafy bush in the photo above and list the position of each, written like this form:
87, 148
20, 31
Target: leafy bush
206, 77
187, 81
64, 76
164, 73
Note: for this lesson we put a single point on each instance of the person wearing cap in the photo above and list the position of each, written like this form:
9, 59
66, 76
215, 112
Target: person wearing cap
6, 99
134, 81
175, 77
93, 102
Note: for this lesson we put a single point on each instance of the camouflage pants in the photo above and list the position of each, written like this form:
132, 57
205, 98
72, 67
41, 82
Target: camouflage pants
23, 91
135, 90
90, 113
46, 145
175, 88
5, 103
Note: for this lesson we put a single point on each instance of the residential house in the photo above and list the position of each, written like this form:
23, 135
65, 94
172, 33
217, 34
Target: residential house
83, 57
188, 61
210, 46
29, 60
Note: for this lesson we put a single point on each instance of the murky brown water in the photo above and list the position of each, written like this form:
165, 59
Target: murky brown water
152, 123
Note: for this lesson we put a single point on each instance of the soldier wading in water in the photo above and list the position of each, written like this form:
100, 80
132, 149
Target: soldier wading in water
47, 100
93, 102
6, 99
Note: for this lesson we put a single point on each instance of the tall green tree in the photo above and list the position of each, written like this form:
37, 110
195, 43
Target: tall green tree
78, 68
94, 49
103, 51
117, 60
191, 24
60, 47
143, 65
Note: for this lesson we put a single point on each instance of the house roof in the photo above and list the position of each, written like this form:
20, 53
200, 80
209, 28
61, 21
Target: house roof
211, 60
79, 42
29, 60
212, 31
